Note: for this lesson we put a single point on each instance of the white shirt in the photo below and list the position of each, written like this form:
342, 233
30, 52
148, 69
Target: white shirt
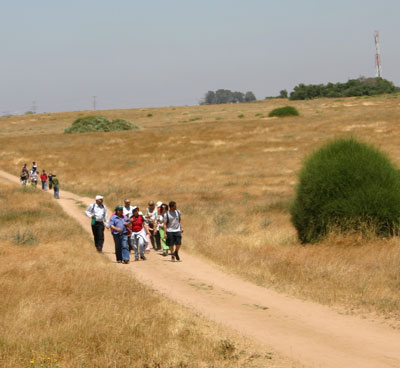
172, 220
99, 211
127, 211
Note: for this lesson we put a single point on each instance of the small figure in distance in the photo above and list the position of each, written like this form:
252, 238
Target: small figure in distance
173, 230
56, 187
128, 212
50, 177
98, 213
43, 178
139, 231
33, 177
34, 166
24, 175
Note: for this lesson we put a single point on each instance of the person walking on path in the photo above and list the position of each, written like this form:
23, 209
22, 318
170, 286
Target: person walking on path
150, 217
56, 187
98, 213
173, 230
128, 212
24, 176
43, 178
160, 234
119, 230
139, 231
33, 177
50, 177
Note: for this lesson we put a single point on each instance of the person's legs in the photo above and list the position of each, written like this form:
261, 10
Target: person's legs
163, 242
56, 192
44, 185
158, 240
98, 233
177, 242
118, 247
135, 244
171, 245
125, 249
141, 247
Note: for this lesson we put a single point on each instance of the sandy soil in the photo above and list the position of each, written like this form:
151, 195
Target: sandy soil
301, 330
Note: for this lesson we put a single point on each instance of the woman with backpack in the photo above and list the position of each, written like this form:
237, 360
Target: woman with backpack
139, 231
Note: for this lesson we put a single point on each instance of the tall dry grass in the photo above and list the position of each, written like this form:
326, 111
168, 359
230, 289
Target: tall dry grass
233, 179
63, 305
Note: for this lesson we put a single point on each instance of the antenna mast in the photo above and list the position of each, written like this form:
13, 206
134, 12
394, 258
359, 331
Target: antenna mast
378, 63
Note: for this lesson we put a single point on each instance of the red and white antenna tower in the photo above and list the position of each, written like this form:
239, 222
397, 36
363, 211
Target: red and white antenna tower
378, 62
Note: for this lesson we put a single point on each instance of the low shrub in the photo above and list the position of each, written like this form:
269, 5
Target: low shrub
98, 123
347, 186
284, 111
240, 116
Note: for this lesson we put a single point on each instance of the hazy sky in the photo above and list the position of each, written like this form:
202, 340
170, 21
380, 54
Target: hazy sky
132, 53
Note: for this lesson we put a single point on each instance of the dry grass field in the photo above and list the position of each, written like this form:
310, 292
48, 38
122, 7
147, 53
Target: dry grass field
233, 178
62, 305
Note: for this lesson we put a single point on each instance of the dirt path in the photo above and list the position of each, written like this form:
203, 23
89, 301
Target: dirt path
304, 331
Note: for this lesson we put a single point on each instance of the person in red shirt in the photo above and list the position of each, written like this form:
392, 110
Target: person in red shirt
43, 178
139, 231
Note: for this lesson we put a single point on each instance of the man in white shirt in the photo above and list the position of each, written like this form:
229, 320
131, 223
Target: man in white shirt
127, 209
173, 230
98, 213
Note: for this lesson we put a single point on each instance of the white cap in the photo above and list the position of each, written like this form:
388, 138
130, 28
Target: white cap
159, 203
98, 197
134, 208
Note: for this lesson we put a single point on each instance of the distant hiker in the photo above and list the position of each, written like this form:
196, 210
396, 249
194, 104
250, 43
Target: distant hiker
150, 217
34, 166
98, 213
24, 176
25, 168
56, 187
139, 231
173, 230
160, 233
33, 177
50, 177
43, 178
119, 230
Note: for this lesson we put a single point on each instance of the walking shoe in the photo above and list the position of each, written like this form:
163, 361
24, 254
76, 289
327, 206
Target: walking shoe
126, 261
136, 259
164, 253
173, 258
177, 256
119, 261
143, 257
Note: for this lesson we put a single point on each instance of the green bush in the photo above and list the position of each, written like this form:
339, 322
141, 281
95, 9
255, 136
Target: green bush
284, 111
99, 123
347, 186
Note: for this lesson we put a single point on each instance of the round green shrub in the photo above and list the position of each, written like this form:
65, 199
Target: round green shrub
284, 111
347, 186
98, 123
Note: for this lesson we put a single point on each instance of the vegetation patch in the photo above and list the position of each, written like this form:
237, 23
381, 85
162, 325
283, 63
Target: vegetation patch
347, 186
284, 111
99, 123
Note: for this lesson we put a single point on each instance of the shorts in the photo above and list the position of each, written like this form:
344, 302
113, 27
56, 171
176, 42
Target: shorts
174, 238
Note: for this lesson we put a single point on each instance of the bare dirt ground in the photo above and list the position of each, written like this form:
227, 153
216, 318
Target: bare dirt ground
304, 331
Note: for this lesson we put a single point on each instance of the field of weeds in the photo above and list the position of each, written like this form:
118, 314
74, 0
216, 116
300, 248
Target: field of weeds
63, 305
232, 171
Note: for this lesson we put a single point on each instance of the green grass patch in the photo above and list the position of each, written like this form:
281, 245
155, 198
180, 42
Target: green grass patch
284, 111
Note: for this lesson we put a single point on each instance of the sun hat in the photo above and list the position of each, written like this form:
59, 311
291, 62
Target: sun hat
159, 203
135, 208
98, 197
118, 208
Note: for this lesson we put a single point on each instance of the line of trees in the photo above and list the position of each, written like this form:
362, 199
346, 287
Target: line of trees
223, 96
353, 87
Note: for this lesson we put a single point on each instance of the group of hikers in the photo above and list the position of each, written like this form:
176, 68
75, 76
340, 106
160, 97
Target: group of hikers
30, 178
160, 226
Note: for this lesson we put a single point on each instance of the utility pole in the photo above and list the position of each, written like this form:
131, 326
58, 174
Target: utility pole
94, 102
378, 61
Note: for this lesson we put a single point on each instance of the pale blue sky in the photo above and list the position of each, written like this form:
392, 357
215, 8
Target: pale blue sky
159, 53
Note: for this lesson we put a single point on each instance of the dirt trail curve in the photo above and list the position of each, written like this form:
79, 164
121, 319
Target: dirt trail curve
304, 331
